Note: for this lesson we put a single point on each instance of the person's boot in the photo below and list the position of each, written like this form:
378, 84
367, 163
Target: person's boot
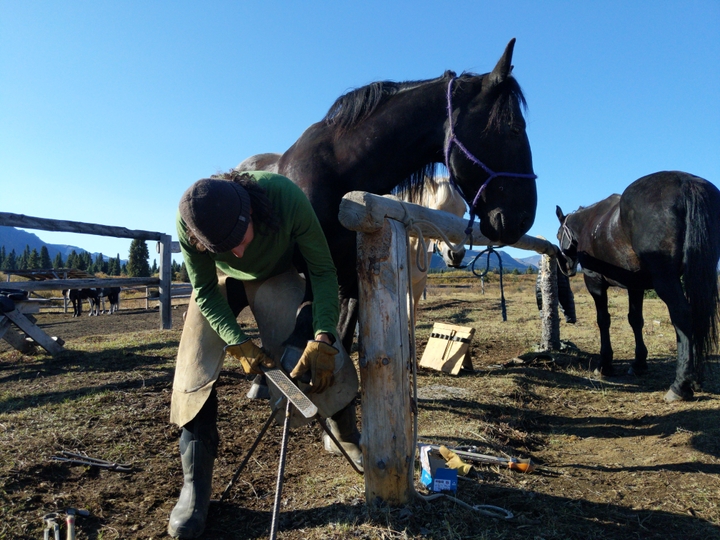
343, 425
198, 449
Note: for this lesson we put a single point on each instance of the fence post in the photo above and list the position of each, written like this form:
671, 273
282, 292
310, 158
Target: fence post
165, 282
550, 339
384, 359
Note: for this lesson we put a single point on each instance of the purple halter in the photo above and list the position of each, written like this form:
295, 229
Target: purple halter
453, 140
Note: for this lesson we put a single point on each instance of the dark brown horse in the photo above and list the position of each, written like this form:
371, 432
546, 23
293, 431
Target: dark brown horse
381, 135
664, 227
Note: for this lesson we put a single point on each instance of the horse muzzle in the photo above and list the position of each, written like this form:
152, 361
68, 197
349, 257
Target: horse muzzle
505, 228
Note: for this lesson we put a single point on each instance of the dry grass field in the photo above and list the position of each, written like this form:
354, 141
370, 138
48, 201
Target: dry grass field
616, 462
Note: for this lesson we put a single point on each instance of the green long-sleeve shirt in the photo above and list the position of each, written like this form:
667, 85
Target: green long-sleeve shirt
266, 256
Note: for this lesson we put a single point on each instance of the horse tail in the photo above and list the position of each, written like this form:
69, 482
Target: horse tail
700, 259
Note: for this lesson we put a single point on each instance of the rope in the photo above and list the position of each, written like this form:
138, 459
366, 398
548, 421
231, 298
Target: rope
482, 275
485, 509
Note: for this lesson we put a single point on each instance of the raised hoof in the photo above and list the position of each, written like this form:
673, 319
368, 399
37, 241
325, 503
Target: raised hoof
672, 396
259, 389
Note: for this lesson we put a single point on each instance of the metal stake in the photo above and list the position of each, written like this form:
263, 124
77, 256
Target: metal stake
248, 455
281, 472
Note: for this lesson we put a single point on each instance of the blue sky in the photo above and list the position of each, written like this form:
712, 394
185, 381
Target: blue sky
110, 110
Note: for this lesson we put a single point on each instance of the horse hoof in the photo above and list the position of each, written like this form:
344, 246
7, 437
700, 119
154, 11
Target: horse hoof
603, 373
672, 396
634, 370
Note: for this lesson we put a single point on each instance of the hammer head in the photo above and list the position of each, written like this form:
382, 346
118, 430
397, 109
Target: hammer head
76, 512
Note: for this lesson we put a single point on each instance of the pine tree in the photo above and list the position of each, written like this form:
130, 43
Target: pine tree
24, 259
45, 258
154, 270
72, 260
2, 255
113, 268
183, 275
100, 265
137, 265
33, 262
10, 262
58, 261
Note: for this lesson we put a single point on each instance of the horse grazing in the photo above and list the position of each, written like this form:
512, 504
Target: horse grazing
437, 194
76, 296
384, 134
663, 227
113, 296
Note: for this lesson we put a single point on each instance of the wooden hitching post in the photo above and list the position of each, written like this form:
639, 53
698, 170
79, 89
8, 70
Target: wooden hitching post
384, 358
550, 340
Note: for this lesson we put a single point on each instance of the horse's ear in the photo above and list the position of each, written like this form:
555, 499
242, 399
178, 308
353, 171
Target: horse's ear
559, 214
504, 66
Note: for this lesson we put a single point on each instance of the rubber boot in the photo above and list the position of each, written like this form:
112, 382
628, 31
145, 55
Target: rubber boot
198, 449
343, 425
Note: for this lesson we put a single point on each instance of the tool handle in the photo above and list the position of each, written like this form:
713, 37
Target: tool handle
519, 466
70, 521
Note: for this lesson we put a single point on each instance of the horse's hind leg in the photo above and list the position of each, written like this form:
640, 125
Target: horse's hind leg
687, 379
635, 318
597, 287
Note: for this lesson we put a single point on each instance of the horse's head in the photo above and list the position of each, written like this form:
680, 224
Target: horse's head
488, 152
568, 256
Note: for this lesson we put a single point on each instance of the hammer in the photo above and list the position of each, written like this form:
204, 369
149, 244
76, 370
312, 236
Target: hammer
70, 520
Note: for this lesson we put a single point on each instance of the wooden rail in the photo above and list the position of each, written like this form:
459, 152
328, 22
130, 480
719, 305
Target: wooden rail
164, 249
384, 351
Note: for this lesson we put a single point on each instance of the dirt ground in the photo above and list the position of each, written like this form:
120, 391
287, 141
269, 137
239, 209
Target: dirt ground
614, 461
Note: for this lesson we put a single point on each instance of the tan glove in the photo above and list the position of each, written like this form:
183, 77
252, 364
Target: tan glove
319, 358
251, 356
454, 461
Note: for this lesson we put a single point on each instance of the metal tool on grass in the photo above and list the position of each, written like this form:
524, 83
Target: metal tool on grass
515, 464
82, 459
70, 515
51, 524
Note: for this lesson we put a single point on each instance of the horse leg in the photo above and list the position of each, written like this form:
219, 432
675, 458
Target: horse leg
347, 321
686, 379
597, 287
635, 318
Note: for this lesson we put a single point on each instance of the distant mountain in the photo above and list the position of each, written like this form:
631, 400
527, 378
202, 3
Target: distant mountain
508, 263
17, 239
531, 261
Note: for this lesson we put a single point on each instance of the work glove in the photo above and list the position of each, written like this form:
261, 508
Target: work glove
454, 461
251, 357
319, 358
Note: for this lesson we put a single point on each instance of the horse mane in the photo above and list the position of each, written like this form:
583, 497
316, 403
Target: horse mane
356, 105
353, 107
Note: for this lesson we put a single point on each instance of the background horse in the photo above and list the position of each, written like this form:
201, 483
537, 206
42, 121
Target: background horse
438, 195
383, 134
76, 296
113, 296
664, 226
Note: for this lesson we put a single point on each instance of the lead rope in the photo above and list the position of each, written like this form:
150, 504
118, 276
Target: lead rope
484, 509
482, 275
422, 259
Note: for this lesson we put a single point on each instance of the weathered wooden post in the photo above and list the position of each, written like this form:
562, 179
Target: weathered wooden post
384, 349
550, 338
384, 357
165, 281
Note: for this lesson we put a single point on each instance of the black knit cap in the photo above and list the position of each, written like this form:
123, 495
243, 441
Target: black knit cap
217, 212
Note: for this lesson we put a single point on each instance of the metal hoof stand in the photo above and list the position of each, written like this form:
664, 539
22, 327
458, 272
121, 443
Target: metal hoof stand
294, 398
